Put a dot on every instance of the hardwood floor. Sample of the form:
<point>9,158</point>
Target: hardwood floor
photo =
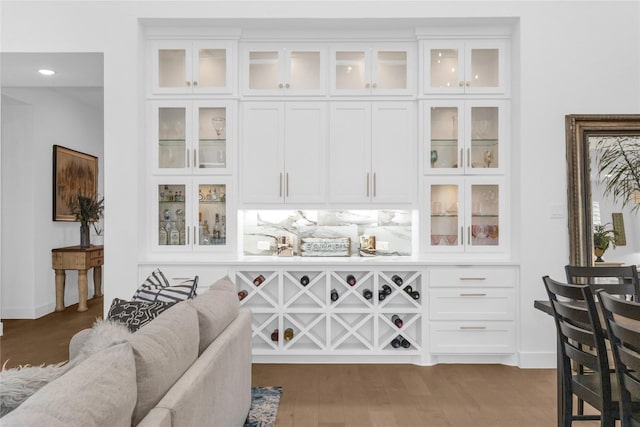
<point>343,395</point>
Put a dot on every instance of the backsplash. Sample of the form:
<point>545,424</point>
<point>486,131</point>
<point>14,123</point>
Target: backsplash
<point>391,228</point>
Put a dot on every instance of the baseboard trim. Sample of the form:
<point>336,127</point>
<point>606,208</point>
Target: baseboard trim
<point>545,360</point>
<point>28,313</point>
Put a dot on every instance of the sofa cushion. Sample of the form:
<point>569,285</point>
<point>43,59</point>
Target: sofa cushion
<point>164,349</point>
<point>101,391</point>
<point>151,291</point>
<point>216,310</point>
<point>136,314</point>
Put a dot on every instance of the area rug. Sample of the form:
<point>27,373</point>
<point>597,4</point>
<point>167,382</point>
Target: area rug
<point>264,406</point>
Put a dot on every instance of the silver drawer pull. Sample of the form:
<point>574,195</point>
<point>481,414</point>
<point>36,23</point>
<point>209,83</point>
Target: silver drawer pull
<point>473,295</point>
<point>478,328</point>
<point>473,278</point>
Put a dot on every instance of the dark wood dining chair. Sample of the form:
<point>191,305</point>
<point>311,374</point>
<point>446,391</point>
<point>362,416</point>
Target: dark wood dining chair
<point>623,328</point>
<point>579,333</point>
<point>624,279</point>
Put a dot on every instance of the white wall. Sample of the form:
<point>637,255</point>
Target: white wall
<point>570,57</point>
<point>33,120</point>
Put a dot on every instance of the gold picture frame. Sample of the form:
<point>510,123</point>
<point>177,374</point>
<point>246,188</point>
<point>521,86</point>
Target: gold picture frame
<point>74,173</point>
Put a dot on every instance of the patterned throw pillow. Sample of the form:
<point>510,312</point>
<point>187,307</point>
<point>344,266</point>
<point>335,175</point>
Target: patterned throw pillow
<point>156,288</point>
<point>136,314</point>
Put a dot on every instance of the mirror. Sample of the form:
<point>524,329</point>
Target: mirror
<point>581,132</point>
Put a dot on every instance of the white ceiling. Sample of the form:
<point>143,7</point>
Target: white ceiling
<point>72,69</point>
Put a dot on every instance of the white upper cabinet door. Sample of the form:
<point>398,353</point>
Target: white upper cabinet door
<point>350,152</point>
<point>283,71</point>
<point>393,148</point>
<point>262,152</point>
<point>465,67</point>
<point>372,71</point>
<point>190,67</point>
<point>305,152</point>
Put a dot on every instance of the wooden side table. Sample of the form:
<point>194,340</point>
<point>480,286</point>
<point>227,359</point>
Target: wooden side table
<point>81,259</point>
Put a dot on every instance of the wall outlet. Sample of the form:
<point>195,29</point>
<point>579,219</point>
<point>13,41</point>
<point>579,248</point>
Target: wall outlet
<point>557,211</point>
<point>263,245</point>
<point>383,246</point>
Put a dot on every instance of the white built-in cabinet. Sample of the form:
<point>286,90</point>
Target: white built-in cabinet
<point>372,152</point>
<point>277,70</point>
<point>463,67</point>
<point>283,152</point>
<point>380,69</point>
<point>191,67</point>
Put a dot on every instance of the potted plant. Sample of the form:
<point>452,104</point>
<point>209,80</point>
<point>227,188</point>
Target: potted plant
<point>618,161</point>
<point>603,235</point>
<point>86,210</point>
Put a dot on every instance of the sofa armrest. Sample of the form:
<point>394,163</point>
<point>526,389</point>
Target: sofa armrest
<point>77,341</point>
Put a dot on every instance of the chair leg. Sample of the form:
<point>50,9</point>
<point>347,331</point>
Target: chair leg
<point>568,406</point>
<point>606,419</point>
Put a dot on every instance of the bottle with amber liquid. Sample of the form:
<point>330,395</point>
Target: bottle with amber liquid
<point>288,334</point>
<point>258,280</point>
<point>275,335</point>
<point>242,295</point>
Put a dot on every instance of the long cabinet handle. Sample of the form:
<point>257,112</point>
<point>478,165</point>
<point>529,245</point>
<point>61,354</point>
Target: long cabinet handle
<point>280,184</point>
<point>187,234</point>
<point>374,184</point>
<point>473,295</point>
<point>477,328</point>
<point>461,158</point>
<point>367,184</point>
<point>287,183</point>
<point>468,157</point>
<point>194,236</point>
<point>461,241</point>
<point>195,163</point>
<point>469,236</point>
<point>188,159</point>
<point>473,278</point>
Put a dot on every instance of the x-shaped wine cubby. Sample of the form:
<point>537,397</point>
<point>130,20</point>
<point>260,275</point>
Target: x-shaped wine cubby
<point>309,311</point>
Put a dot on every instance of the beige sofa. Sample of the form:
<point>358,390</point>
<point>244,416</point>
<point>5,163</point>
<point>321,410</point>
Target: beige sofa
<point>190,366</point>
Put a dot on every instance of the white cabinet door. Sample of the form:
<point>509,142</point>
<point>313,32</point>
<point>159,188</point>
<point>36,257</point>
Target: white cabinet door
<point>262,159</point>
<point>305,152</point>
<point>350,152</point>
<point>393,147</point>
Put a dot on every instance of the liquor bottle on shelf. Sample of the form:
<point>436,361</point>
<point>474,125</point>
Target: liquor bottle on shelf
<point>397,280</point>
<point>214,195</point>
<point>182,235</point>
<point>174,235</point>
<point>351,280</point>
<point>275,335</point>
<point>223,229</point>
<point>367,294</point>
<point>334,295</point>
<point>242,294</point>
<point>288,334</point>
<point>163,238</point>
<point>304,280</point>
<point>381,295</point>
<point>216,229</point>
<point>397,321</point>
<point>386,289</point>
<point>258,280</point>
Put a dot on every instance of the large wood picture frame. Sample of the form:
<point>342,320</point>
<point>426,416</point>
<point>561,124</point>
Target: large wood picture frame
<point>74,173</point>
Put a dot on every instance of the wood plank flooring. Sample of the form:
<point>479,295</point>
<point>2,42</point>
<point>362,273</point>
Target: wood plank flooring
<point>346,395</point>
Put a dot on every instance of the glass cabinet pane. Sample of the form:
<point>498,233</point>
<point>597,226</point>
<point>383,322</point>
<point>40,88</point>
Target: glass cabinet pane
<point>444,215</point>
<point>484,137</point>
<point>444,68</point>
<point>392,70</point>
<point>484,215</point>
<point>212,143</point>
<point>350,70</point>
<point>171,208</point>
<point>304,70</point>
<point>212,214</point>
<point>212,67</point>
<point>484,68</point>
<point>263,70</point>
<point>171,137</point>
<point>445,145</point>
<point>172,68</point>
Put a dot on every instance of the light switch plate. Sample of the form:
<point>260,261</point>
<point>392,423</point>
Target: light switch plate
<point>557,211</point>
<point>263,245</point>
<point>383,246</point>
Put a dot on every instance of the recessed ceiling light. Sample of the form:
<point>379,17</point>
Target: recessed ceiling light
<point>46,72</point>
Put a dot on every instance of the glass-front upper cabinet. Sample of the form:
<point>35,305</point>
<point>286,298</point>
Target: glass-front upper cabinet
<point>464,67</point>
<point>192,137</point>
<point>282,71</point>
<point>191,214</point>
<point>372,71</point>
<point>464,137</point>
<point>465,214</point>
<point>186,67</point>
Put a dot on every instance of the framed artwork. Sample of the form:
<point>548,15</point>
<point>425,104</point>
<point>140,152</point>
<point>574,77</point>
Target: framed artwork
<point>74,173</point>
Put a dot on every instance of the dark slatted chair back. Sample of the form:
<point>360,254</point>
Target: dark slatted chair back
<point>623,279</point>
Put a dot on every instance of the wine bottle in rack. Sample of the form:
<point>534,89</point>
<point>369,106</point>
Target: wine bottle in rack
<point>304,280</point>
<point>408,289</point>
<point>367,294</point>
<point>415,295</point>
<point>381,295</point>
<point>258,280</point>
<point>351,280</point>
<point>386,289</point>
<point>404,343</point>
<point>288,334</point>
<point>242,295</point>
<point>334,295</point>
<point>275,335</point>
<point>397,280</point>
<point>395,343</point>
<point>397,321</point>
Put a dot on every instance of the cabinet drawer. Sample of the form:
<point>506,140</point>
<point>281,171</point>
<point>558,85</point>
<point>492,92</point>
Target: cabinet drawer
<point>472,304</point>
<point>473,276</point>
<point>472,337</point>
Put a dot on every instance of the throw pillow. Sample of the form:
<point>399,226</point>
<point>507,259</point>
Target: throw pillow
<point>136,314</point>
<point>155,280</point>
<point>154,293</point>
